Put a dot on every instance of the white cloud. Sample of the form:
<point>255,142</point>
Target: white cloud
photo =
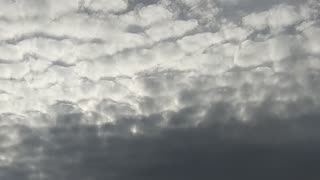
<point>277,18</point>
<point>171,29</point>
<point>152,14</point>
<point>52,57</point>
<point>105,5</point>
<point>313,39</point>
<point>199,41</point>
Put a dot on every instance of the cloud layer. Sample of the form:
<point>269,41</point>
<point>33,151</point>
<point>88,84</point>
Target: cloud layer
<point>159,89</point>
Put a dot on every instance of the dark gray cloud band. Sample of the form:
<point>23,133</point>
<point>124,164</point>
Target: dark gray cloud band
<point>220,147</point>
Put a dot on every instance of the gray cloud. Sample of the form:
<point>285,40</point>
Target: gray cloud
<point>220,147</point>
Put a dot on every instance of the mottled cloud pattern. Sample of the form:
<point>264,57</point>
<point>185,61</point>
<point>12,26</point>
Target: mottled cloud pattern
<point>159,89</point>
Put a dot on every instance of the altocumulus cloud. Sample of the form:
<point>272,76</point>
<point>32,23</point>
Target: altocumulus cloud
<point>159,89</point>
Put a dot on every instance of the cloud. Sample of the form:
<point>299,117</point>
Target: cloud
<point>135,89</point>
<point>220,147</point>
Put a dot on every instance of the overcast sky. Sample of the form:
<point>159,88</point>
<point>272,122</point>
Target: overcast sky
<point>159,89</point>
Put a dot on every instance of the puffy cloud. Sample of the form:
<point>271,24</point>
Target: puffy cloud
<point>276,18</point>
<point>313,45</point>
<point>171,29</point>
<point>159,89</point>
<point>103,5</point>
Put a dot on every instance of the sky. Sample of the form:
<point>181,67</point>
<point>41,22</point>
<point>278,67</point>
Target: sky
<point>159,89</point>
